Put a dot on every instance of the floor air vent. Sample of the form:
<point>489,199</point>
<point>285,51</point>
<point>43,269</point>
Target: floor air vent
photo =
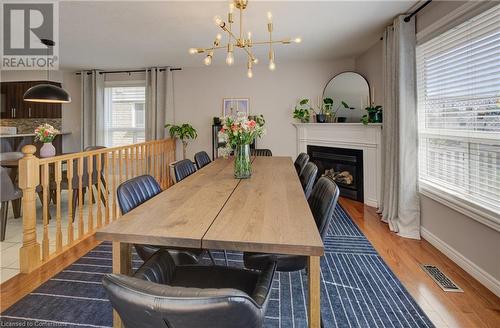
<point>441,279</point>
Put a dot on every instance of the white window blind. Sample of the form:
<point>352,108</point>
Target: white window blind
<point>458,89</point>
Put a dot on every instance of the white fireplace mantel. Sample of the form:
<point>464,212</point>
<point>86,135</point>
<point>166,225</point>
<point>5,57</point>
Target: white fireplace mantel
<point>367,138</point>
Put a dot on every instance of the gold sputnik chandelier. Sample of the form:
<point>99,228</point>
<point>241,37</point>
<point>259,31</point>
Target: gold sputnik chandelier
<point>241,40</point>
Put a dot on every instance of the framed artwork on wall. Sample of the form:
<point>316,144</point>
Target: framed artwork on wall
<point>233,106</point>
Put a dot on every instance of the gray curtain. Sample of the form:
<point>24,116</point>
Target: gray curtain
<point>92,115</point>
<point>400,205</point>
<point>159,101</point>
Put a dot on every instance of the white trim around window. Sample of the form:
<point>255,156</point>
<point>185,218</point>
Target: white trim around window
<point>460,204</point>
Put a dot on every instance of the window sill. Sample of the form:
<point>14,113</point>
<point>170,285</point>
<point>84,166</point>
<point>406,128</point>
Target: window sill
<point>459,204</point>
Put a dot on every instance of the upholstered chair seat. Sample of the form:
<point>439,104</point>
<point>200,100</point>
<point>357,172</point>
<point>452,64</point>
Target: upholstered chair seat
<point>300,162</point>
<point>163,294</point>
<point>133,193</point>
<point>201,159</point>
<point>307,178</point>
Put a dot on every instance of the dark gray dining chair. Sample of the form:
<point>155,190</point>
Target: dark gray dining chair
<point>308,177</point>
<point>8,193</point>
<point>183,169</point>
<point>261,152</point>
<point>137,191</point>
<point>300,162</point>
<point>163,294</point>
<point>201,159</point>
<point>322,202</point>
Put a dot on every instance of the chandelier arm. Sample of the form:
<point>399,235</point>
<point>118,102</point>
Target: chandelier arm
<point>248,52</point>
<point>284,41</point>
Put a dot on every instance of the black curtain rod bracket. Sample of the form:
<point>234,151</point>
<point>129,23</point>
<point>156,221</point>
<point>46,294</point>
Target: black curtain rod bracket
<point>408,18</point>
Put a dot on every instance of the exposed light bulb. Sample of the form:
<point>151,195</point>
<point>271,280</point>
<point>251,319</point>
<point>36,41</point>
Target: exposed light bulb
<point>192,51</point>
<point>249,73</point>
<point>218,37</point>
<point>230,58</point>
<point>272,65</point>
<point>218,21</point>
<point>255,60</point>
<point>249,35</point>
<point>297,40</point>
<point>269,17</point>
<point>231,7</point>
<point>208,60</point>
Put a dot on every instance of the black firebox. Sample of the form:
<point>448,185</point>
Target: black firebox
<point>343,165</point>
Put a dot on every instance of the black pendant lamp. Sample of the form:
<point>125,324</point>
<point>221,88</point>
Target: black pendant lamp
<point>47,93</point>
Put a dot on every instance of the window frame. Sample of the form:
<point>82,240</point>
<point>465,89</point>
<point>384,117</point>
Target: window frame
<point>124,83</point>
<point>447,196</point>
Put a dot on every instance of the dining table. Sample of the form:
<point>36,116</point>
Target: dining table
<point>211,209</point>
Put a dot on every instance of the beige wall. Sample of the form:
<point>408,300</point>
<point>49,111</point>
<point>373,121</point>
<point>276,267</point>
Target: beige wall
<point>199,93</point>
<point>369,64</point>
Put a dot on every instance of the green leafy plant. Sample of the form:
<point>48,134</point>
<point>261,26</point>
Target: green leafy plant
<point>330,111</point>
<point>302,111</point>
<point>374,115</point>
<point>184,132</point>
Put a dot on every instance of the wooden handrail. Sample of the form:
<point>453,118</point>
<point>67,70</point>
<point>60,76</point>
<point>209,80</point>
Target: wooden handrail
<point>90,179</point>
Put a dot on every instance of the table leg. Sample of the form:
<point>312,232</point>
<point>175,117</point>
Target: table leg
<point>122,263</point>
<point>314,292</point>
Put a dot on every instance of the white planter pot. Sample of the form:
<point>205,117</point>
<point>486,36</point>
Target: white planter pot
<point>47,150</point>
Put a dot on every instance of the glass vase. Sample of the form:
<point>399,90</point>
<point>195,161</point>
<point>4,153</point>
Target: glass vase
<point>242,164</point>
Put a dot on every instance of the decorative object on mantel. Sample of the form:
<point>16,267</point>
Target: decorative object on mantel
<point>46,133</point>
<point>184,132</point>
<point>47,93</point>
<point>242,40</point>
<point>374,115</point>
<point>302,111</point>
<point>326,111</point>
<point>238,133</point>
<point>353,89</point>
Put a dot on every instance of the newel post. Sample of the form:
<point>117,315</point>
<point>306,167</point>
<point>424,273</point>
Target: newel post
<point>29,179</point>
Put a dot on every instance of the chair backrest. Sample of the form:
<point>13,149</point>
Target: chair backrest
<point>201,158</point>
<point>90,148</point>
<point>146,300</point>
<point>136,191</point>
<point>301,162</point>
<point>322,201</point>
<point>307,178</point>
<point>183,169</point>
<point>9,190</point>
<point>261,152</point>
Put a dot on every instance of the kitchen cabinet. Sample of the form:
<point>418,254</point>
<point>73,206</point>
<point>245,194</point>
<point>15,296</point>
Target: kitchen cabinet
<point>14,107</point>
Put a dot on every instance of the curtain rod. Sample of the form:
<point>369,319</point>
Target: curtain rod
<point>133,71</point>
<point>407,18</point>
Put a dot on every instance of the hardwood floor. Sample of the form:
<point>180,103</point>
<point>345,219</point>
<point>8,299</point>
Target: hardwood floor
<point>476,307</point>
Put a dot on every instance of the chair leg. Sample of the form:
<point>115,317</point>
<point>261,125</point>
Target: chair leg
<point>225,257</point>
<point>74,201</point>
<point>16,207</point>
<point>211,257</point>
<point>3,214</point>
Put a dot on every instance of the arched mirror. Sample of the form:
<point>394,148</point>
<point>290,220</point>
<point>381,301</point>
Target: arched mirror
<point>351,88</point>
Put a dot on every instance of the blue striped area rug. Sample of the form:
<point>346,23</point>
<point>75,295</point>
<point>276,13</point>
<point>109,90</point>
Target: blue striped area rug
<point>358,290</point>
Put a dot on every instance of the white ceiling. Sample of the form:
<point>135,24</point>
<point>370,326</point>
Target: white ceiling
<point>135,34</point>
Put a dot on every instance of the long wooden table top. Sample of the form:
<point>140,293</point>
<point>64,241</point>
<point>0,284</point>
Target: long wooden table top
<point>267,213</point>
<point>212,209</point>
<point>179,216</point>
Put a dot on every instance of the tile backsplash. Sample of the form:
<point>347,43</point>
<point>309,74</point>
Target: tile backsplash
<point>28,125</point>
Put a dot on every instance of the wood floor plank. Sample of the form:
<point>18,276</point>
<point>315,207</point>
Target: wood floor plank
<point>476,307</point>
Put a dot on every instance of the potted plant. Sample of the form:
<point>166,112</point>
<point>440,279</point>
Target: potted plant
<point>184,132</point>
<point>46,133</point>
<point>302,111</point>
<point>374,115</point>
<point>238,133</point>
<point>324,110</point>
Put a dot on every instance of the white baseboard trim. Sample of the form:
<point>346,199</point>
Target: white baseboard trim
<point>471,268</point>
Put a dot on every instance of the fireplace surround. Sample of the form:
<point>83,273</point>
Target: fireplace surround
<point>365,138</point>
